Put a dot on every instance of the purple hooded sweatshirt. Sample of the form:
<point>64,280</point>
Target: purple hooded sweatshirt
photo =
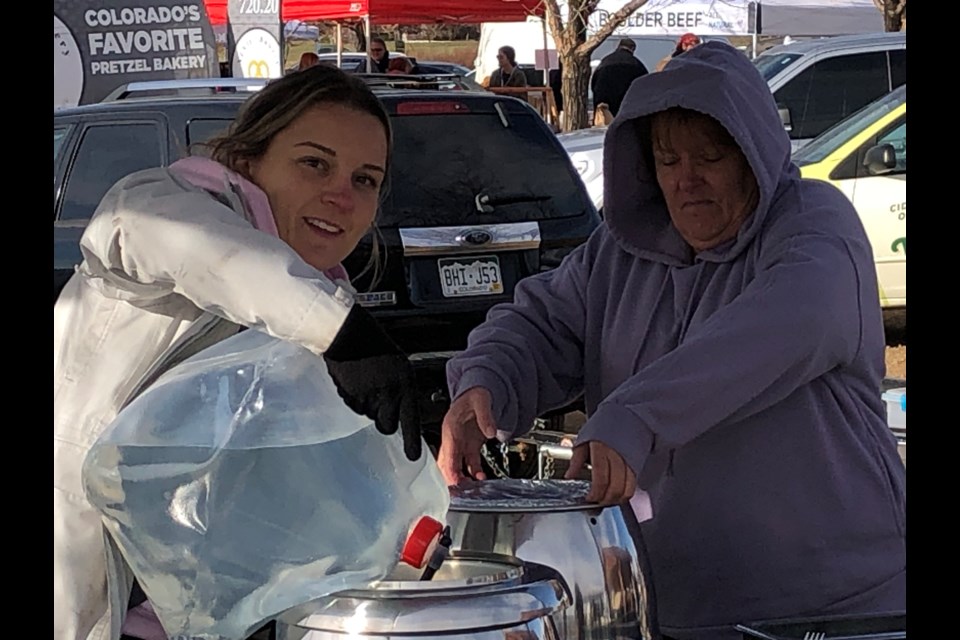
<point>741,384</point>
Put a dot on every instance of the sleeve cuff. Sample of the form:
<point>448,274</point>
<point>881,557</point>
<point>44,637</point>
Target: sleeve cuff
<point>323,319</point>
<point>621,430</point>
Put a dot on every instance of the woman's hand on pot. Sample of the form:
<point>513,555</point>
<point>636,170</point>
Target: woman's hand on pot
<point>466,427</point>
<point>612,480</point>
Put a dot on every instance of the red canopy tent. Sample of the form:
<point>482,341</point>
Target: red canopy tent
<point>396,11</point>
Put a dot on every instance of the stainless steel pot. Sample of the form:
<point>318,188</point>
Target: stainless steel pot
<point>473,596</point>
<point>598,552</point>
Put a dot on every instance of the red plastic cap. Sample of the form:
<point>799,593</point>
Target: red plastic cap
<point>424,535</point>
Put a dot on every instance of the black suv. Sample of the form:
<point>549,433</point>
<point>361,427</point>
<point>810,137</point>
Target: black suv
<point>481,195</point>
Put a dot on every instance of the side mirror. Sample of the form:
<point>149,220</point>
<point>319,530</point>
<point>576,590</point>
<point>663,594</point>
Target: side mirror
<point>880,159</point>
<point>785,118</point>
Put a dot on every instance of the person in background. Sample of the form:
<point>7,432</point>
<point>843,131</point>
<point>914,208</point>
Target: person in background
<point>686,42</point>
<point>379,55</point>
<point>723,326</point>
<point>508,74</point>
<point>556,85</point>
<point>400,65</point>
<point>308,59</point>
<point>615,74</point>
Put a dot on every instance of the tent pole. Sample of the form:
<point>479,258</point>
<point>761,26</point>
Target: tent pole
<point>546,55</point>
<point>339,44</point>
<point>366,24</point>
<point>754,42</point>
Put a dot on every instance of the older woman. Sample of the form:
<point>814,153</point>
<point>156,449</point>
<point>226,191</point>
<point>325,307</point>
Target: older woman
<point>725,330</point>
<point>178,258</point>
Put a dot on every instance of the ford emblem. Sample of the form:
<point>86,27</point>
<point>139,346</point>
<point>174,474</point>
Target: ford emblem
<point>476,237</point>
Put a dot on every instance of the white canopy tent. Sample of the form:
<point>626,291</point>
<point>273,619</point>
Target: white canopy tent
<point>671,18</point>
<point>819,17</point>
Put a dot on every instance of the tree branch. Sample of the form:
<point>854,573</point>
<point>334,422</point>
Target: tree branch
<point>610,26</point>
<point>553,20</point>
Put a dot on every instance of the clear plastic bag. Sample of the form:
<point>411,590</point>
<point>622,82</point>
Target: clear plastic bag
<point>240,485</point>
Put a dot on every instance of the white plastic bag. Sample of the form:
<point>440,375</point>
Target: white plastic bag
<point>239,485</point>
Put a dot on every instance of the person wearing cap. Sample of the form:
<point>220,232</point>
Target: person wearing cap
<point>686,42</point>
<point>615,74</point>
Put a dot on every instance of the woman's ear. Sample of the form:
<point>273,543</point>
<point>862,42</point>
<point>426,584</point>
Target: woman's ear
<point>246,167</point>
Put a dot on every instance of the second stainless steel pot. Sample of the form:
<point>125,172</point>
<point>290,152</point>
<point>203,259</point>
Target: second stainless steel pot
<point>597,551</point>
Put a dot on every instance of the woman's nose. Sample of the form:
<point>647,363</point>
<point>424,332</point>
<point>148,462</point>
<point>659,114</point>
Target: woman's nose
<point>689,176</point>
<point>339,193</point>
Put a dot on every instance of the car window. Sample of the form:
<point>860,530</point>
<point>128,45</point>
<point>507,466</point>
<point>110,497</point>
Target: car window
<point>59,135</point>
<point>898,67</point>
<point>442,163</point>
<point>202,129</point>
<point>107,153</point>
<point>770,65</point>
<point>840,133</point>
<point>832,89</point>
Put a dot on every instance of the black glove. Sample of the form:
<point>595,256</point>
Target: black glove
<point>375,378</point>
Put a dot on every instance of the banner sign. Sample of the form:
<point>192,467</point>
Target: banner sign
<point>98,47</point>
<point>677,17</point>
<point>254,34</point>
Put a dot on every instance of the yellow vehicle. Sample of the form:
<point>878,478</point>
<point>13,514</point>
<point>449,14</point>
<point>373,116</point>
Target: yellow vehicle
<point>865,156</point>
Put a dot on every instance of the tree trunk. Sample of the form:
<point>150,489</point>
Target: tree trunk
<point>574,49</point>
<point>576,82</point>
<point>894,14</point>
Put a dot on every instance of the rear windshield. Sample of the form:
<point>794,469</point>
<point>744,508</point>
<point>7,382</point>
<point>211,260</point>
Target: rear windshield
<point>443,163</point>
<point>772,64</point>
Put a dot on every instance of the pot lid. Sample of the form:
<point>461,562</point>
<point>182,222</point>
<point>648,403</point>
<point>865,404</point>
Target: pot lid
<point>467,594</point>
<point>508,495</point>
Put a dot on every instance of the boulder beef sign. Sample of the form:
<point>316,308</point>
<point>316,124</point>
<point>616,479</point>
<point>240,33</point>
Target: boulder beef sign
<point>99,47</point>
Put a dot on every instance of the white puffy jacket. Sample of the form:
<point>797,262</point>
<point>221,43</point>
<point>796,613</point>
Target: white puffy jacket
<point>168,269</point>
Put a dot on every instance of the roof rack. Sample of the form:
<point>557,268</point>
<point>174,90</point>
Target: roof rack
<point>418,81</point>
<point>186,87</point>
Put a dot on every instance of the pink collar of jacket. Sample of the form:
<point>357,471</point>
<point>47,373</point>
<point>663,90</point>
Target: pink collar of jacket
<point>213,176</point>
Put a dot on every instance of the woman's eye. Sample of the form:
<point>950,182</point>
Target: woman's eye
<point>368,181</point>
<point>315,163</point>
<point>666,161</point>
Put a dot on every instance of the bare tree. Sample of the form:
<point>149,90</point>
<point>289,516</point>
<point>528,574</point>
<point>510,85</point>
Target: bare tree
<point>574,49</point>
<point>894,14</point>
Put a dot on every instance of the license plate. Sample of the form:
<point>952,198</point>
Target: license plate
<point>474,276</point>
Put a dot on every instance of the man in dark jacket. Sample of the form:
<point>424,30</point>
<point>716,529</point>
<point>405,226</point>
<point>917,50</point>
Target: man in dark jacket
<point>556,84</point>
<point>615,74</point>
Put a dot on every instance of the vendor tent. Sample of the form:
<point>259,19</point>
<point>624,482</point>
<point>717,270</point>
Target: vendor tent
<point>819,17</point>
<point>395,11</point>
